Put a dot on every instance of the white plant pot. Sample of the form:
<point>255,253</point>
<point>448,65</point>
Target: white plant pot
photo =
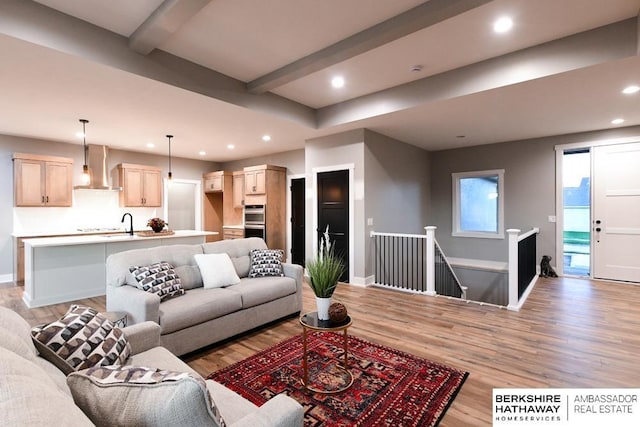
<point>323,308</point>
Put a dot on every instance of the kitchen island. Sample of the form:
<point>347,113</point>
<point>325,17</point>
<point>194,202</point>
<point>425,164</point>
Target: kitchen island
<point>61,269</point>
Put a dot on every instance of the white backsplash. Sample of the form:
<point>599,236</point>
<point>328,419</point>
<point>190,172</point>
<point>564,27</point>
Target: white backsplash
<point>91,209</point>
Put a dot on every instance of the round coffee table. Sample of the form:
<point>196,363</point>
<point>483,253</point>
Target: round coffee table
<point>310,323</point>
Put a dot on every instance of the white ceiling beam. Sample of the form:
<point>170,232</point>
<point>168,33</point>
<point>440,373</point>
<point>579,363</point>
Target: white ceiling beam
<point>604,44</point>
<point>162,23</point>
<point>415,19</point>
<point>35,23</point>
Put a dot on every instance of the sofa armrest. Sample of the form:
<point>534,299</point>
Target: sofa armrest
<point>139,305</point>
<point>281,411</point>
<point>296,272</point>
<point>142,336</point>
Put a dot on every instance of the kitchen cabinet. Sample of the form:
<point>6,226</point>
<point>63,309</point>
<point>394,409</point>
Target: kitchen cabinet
<point>141,185</point>
<point>213,182</point>
<point>42,180</point>
<point>232,233</point>
<point>266,185</point>
<point>238,189</point>
<point>255,180</point>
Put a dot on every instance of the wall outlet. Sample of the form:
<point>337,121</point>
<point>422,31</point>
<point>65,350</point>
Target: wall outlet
<point>552,218</point>
<point>369,221</point>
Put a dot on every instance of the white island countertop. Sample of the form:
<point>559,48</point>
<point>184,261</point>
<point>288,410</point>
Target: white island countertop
<point>68,268</point>
<point>84,239</point>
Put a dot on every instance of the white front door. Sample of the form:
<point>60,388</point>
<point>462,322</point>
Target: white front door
<point>616,212</point>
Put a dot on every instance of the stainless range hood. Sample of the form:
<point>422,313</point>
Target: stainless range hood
<point>98,162</point>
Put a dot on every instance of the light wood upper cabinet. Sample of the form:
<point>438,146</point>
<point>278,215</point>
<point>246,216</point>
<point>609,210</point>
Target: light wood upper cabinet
<point>42,180</point>
<point>213,182</point>
<point>141,185</point>
<point>238,189</point>
<point>255,180</point>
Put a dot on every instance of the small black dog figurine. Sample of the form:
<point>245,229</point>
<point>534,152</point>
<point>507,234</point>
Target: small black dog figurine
<point>545,267</point>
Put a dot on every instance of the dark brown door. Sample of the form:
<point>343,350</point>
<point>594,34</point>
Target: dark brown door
<point>297,221</point>
<point>333,210</point>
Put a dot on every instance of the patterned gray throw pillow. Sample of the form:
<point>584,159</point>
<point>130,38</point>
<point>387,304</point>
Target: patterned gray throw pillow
<point>266,262</point>
<point>159,278</point>
<point>80,339</point>
<point>162,398</point>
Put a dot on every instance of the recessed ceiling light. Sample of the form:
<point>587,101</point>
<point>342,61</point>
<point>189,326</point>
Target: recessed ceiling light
<point>202,153</point>
<point>631,89</point>
<point>617,121</point>
<point>416,68</point>
<point>337,82</point>
<point>150,145</point>
<point>502,25</point>
<point>79,135</point>
<point>230,146</point>
<point>266,138</point>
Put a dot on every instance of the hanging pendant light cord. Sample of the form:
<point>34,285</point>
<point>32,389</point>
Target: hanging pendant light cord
<point>170,174</point>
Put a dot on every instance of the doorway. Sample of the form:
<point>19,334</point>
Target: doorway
<point>183,204</point>
<point>297,189</point>
<point>616,212</point>
<point>576,211</point>
<point>333,212</point>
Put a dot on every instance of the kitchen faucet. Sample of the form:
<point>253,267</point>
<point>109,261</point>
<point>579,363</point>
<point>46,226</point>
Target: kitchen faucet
<point>130,223</point>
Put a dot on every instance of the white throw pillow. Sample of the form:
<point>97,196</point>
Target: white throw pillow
<point>217,270</point>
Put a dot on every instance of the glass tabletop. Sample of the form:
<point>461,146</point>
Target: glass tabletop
<point>310,320</point>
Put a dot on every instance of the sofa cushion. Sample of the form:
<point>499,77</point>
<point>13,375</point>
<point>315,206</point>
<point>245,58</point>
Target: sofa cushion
<point>159,397</point>
<point>16,344</point>
<point>29,398</point>
<point>13,322</point>
<point>238,250</point>
<point>80,339</point>
<point>260,290</point>
<point>216,270</point>
<point>177,255</point>
<point>197,306</point>
<point>266,262</point>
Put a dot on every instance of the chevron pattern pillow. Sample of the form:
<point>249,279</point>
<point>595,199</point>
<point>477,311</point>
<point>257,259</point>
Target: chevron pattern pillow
<point>80,339</point>
<point>159,278</point>
<point>266,262</point>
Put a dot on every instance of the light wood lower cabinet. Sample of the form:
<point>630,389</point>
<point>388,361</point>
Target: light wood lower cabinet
<point>42,180</point>
<point>233,233</point>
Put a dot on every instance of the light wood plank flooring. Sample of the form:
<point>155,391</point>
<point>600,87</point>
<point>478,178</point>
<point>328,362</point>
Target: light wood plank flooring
<point>570,333</point>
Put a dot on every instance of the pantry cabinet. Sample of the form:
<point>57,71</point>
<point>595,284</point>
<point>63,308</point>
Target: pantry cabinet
<point>44,181</point>
<point>238,189</point>
<point>141,185</point>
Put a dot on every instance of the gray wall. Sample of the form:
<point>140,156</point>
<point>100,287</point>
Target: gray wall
<point>396,188</point>
<point>182,168</point>
<point>340,149</point>
<point>529,185</point>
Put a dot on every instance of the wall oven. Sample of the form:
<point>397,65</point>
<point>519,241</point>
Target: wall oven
<point>254,221</point>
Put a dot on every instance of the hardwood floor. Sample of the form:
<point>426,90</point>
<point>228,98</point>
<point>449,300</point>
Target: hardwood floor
<point>570,333</point>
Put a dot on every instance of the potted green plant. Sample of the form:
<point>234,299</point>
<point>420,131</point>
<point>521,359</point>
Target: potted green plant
<point>324,272</point>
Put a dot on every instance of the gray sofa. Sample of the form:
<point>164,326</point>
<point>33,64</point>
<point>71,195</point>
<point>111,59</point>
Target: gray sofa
<point>33,392</point>
<point>203,316</point>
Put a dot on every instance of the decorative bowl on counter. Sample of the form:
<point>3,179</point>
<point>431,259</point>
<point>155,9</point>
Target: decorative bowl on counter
<point>156,224</point>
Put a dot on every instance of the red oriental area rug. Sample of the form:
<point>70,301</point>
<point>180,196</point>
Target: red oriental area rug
<point>390,387</point>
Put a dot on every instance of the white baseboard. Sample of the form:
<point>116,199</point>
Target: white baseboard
<point>6,278</point>
<point>364,282</point>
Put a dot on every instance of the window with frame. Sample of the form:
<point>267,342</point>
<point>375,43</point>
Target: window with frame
<point>478,204</point>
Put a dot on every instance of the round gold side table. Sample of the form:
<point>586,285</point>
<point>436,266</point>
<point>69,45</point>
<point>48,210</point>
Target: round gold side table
<point>310,323</point>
